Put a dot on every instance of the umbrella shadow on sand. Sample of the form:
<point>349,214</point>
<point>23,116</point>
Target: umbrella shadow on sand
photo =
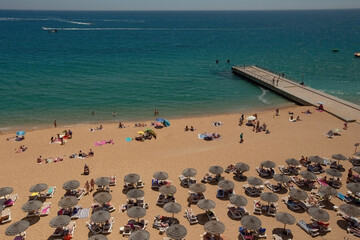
<point>32,220</point>
<point>284,235</point>
<point>343,224</point>
<point>202,218</point>
<point>240,179</point>
<point>282,191</point>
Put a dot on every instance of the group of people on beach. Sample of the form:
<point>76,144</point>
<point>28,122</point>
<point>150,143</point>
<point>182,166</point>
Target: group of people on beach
<point>189,129</point>
<point>67,134</point>
<point>82,154</point>
<point>89,186</point>
<point>41,160</point>
<point>100,127</point>
<point>21,149</point>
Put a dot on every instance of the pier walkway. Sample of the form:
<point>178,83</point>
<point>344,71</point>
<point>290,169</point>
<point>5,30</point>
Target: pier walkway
<point>304,95</point>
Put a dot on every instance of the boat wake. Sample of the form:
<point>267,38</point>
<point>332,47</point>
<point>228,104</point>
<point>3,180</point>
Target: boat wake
<point>261,97</point>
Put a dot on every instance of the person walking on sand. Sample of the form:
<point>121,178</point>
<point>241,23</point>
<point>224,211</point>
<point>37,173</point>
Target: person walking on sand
<point>92,184</point>
<point>277,112</point>
<point>87,187</point>
<point>55,125</point>
<point>241,137</point>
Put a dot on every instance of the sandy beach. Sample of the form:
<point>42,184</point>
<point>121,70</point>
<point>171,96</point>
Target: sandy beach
<point>172,151</point>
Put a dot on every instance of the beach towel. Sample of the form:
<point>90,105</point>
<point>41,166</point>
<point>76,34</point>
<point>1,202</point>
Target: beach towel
<point>322,182</point>
<point>84,213</point>
<point>128,139</point>
<point>103,142</point>
<point>217,123</point>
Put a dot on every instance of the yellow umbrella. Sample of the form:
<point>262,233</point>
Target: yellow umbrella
<point>140,132</point>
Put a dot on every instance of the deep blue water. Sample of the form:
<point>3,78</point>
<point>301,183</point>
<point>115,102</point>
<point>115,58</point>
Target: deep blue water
<point>133,62</point>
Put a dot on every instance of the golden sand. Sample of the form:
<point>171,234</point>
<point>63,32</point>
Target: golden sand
<point>172,151</point>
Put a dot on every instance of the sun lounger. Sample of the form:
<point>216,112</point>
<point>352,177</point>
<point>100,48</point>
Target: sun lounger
<point>257,207</point>
<point>45,209</point>
<point>355,161</point>
<point>274,188</point>
<point>10,200</point>
<point>324,227</point>
<point>211,215</point>
<point>139,184</point>
<point>272,209</point>
<point>76,212</point>
<point>297,181</point>
<point>107,228</point>
<point>353,230</point>
<point>112,180</point>
<point>344,198</point>
<point>220,193</point>
<point>5,216</point>
<point>126,230</point>
<point>70,229</point>
<point>191,217</point>
<point>50,192</point>
<point>294,206</point>
<point>261,233</point>
<point>308,228</point>
<point>94,228</point>
<point>284,170</point>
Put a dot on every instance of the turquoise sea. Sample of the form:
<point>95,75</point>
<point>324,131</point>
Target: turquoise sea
<point>132,62</point>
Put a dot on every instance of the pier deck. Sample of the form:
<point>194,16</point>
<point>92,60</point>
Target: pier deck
<point>301,94</point>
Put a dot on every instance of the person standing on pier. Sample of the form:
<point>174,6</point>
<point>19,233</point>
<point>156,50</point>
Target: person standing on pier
<point>277,82</point>
<point>274,81</point>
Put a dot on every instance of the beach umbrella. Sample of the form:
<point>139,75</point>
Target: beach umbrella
<point>167,189</point>
<point>216,170</point>
<point>350,210</point>
<point>98,237</point>
<point>131,178</point>
<point>327,191</point>
<point>100,216</point>
<point>251,118</point>
<point>135,193</point>
<point>281,178</point>
<point>214,227</point>
<point>254,181</point>
<point>189,172</point>
<point>38,187</point>
<point>163,121</point>
<point>176,231</point>
<point>242,167</point>
<point>102,181</point>
<point>31,205</point>
<point>238,200</point>
<point>21,133</point>
<point>160,175</point>
<point>298,194</point>
<point>206,204</point>
<point>17,228</point>
<point>333,172</point>
<point>140,132</point>
<point>140,235</point>
<point>5,191</point>
<point>172,207</point>
<point>339,157</point>
<point>68,201</point>
<point>308,175</point>
<point>251,222</point>
<point>197,187</point>
<point>268,164</point>
<point>59,221</point>
<point>353,187</point>
<point>269,197</point>
<point>71,185</point>
<point>355,169</point>
<point>149,130</point>
<point>102,197</point>
<point>136,212</point>
<point>285,218</point>
<point>319,214</point>
<point>292,162</point>
<point>226,184</point>
<point>316,159</point>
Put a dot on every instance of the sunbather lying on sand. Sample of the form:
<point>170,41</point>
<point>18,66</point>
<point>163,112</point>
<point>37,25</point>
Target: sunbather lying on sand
<point>96,128</point>
<point>21,149</point>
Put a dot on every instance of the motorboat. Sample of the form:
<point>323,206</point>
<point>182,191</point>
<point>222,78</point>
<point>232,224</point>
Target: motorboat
<point>357,54</point>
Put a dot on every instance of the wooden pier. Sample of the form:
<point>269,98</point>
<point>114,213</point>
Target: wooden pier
<point>304,95</point>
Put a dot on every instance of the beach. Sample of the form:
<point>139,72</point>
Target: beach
<point>173,151</point>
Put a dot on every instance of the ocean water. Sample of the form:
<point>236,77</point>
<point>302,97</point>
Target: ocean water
<point>134,62</point>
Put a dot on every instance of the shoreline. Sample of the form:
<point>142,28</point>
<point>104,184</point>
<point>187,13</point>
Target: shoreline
<point>36,127</point>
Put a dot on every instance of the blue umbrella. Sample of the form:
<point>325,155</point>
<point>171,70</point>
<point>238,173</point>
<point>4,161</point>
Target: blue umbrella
<point>20,133</point>
<point>164,121</point>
